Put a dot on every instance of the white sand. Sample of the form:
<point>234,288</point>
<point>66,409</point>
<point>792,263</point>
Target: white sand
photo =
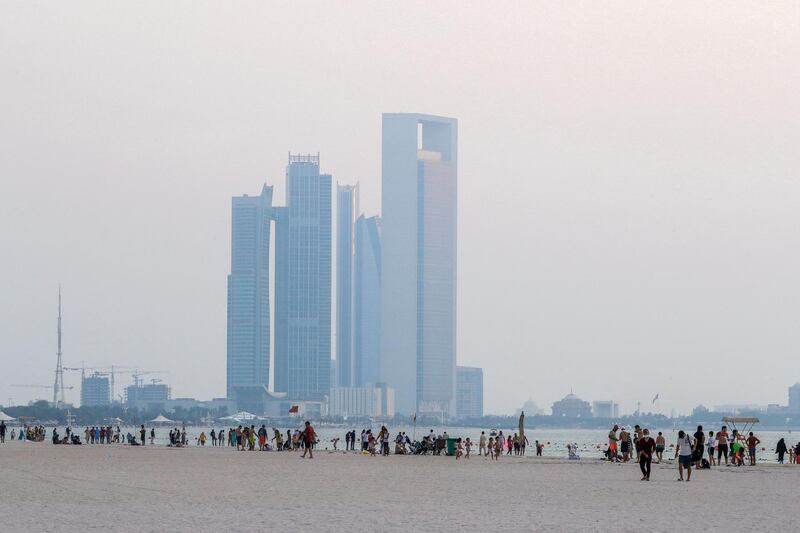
<point>119,488</point>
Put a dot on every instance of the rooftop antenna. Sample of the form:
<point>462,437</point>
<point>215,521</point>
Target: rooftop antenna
<point>58,386</point>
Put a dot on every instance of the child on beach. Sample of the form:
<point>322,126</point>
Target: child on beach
<point>459,448</point>
<point>467,446</point>
<point>371,444</point>
<point>491,448</point>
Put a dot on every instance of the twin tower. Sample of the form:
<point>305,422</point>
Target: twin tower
<point>395,279</point>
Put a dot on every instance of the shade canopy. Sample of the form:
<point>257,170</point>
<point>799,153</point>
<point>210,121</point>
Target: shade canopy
<point>241,415</point>
<point>5,418</point>
<point>161,419</point>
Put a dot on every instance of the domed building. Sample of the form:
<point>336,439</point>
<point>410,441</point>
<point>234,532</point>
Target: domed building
<point>530,408</point>
<point>572,407</point>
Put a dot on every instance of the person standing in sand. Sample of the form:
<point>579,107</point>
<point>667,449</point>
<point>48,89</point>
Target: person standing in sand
<point>752,443</point>
<point>482,444</point>
<point>491,449</point>
<point>309,436</point>
<point>498,447</point>
<point>467,446</point>
<point>722,445</point>
<point>660,445</point>
<point>711,444</point>
<point>612,443</point>
<point>624,445</point>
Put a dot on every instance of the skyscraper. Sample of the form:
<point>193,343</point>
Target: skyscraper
<point>418,279</point>
<point>346,213</point>
<point>469,392</point>
<point>248,292</point>
<point>367,302</point>
<point>303,282</point>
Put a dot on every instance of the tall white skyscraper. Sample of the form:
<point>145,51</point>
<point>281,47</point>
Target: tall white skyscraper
<point>418,279</point>
<point>346,214</point>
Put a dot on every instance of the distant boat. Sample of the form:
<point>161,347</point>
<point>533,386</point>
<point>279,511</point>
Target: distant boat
<point>493,433</point>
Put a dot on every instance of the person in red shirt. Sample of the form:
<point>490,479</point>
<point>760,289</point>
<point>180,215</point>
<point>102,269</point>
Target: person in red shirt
<point>309,437</point>
<point>752,442</point>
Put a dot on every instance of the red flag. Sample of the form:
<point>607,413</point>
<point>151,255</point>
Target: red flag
<point>294,409</point>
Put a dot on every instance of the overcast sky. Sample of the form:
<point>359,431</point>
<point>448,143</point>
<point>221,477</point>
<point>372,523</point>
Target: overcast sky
<point>629,181</point>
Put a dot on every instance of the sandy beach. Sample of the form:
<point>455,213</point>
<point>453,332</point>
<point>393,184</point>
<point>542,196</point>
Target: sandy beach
<point>61,488</point>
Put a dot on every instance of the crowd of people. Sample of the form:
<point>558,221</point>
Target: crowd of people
<point>697,450</point>
<point>26,432</point>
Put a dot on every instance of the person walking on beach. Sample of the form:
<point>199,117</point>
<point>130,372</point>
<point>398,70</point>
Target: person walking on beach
<point>538,449</point>
<point>482,444</point>
<point>722,445</point>
<point>142,433</point>
<point>684,453</point>
<point>711,443</point>
<point>646,446</point>
<point>491,449</point>
<point>2,431</point>
<point>752,443</point>
<point>498,446</point>
<point>309,436</point>
<point>467,447</point>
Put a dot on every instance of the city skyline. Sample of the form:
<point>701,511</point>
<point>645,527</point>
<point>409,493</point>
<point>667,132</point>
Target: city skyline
<point>627,183</point>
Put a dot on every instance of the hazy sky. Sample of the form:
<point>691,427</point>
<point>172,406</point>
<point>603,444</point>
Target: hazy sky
<point>629,181</point>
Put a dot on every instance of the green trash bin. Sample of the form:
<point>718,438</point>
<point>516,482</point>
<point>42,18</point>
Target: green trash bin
<point>451,446</point>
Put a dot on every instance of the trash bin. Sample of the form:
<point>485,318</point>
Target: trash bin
<point>451,446</point>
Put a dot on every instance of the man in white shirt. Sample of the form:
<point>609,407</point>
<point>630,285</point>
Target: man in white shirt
<point>683,451</point>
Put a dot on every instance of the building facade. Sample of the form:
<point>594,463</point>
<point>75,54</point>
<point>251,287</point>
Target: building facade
<point>367,302</point>
<point>469,392</point>
<point>794,398</point>
<point>95,390</point>
<point>361,401</point>
<point>303,282</point>
<point>572,407</point>
<point>418,278</point>
<point>346,214</point>
<point>147,394</point>
<point>605,409</point>
<point>248,343</point>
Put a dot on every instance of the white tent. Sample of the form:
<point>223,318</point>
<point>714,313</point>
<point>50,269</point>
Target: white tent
<point>161,419</point>
<point>5,418</point>
<point>241,415</point>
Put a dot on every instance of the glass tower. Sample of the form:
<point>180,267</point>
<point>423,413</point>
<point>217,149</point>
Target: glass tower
<point>419,204</point>
<point>367,303</point>
<point>346,213</point>
<point>248,292</point>
<point>303,282</point>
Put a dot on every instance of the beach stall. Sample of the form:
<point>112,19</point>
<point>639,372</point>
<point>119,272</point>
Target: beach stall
<point>747,423</point>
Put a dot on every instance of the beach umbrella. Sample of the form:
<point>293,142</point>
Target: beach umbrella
<point>5,418</point>
<point>522,427</point>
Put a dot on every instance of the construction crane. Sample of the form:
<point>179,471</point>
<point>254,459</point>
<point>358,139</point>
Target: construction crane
<point>39,386</point>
